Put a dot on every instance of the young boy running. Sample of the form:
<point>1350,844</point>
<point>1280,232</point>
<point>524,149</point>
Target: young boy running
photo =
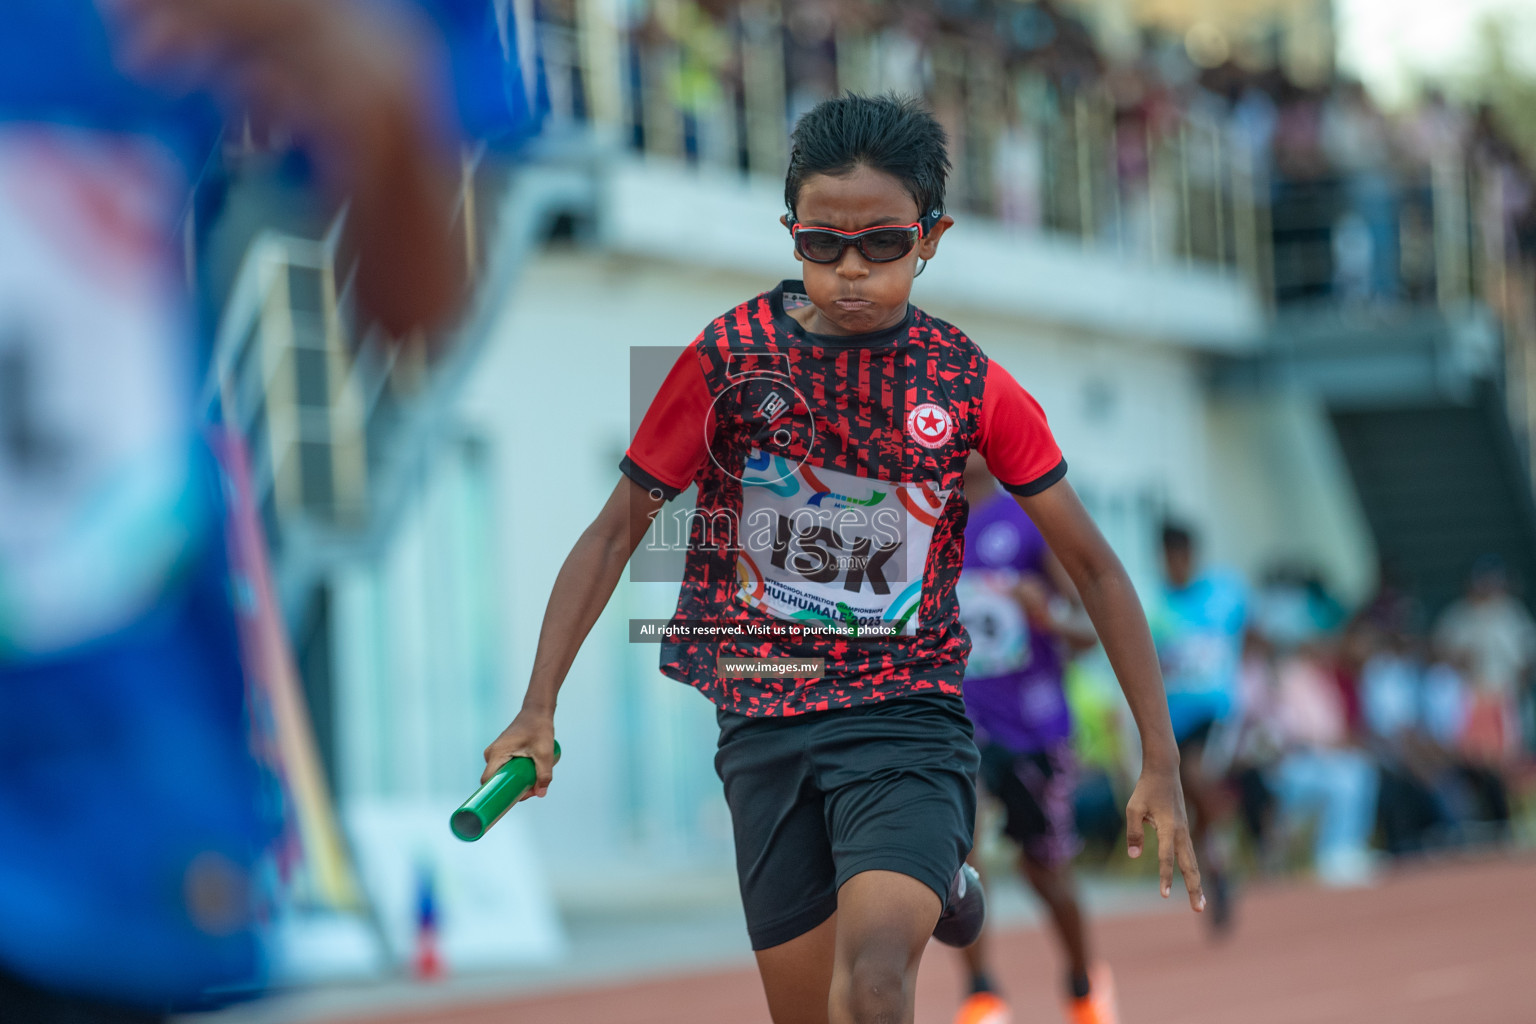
<point>1015,603</point>
<point>827,425</point>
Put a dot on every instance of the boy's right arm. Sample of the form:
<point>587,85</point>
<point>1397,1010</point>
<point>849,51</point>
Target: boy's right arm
<point>359,91</point>
<point>582,589</point>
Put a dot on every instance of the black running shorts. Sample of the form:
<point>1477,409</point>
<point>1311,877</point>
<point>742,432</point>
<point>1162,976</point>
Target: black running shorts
<point>817,798</point>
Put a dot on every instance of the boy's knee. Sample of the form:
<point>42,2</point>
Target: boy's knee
<point>876,986</point>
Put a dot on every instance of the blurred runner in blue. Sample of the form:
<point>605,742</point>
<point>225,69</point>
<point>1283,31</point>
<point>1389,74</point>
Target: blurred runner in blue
<point>130,805</point>
<point>1197,621</point>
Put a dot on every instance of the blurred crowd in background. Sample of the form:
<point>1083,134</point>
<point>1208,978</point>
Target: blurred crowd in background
<point>1176,148</point>
<point>1357,734</point>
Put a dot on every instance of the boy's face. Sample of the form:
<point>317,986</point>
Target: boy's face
<point>853,295</point>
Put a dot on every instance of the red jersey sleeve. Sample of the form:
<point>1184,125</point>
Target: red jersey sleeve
<point>672,443</point>
<point>1014,437</point>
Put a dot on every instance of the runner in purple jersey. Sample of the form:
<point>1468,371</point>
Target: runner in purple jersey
<point>1013,678</point>
<point>1021,612</point>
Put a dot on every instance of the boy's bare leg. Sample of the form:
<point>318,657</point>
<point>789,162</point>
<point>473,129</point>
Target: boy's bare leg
<point>797,975</point>
<point>884,921</point>
<point>1054,887</point>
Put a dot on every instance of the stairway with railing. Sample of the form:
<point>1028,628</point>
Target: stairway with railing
<point>1397,308</point>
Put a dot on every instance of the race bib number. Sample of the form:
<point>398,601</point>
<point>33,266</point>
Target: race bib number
<point>94,389</point>
<point>998,627</point>
<point>1198,661</point>
<point>825,545</point>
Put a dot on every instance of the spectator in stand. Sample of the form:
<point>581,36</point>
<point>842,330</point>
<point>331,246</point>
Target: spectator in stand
<point>1295,765</point>
<point>1295,606</point>
<point>1506,193</point>
<point>1435,133</point>
<point>1433,793</point>
<point>1253,123</point>
<point>1298,153</point>
<point>1496,636</point>
<point>810,55</point>
<point>1393,692</point>
<point>1358,143</point>
<point>1446,701</point>
<point>1257,747</point>
<point>1319,773</point>
<point>899,52</point>
<point>1135,128</point>
<point>1476,796</point>
<point>1392,608</point>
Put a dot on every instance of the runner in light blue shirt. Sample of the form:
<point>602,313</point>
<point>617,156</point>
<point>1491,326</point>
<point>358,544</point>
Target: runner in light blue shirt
<point>1197,620</point>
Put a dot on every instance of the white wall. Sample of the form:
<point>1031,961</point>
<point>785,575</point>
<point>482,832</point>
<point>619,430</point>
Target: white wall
<point>1284,493</point>
<point>661,210</point>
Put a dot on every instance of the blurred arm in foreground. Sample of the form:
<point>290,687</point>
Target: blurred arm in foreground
<point>120,656</point>
<point>358,87</point>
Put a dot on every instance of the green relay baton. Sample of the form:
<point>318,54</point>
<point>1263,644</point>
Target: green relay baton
<point>495,798</point>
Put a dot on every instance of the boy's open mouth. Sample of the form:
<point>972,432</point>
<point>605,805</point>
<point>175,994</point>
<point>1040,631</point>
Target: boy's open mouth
<point>853,304</point>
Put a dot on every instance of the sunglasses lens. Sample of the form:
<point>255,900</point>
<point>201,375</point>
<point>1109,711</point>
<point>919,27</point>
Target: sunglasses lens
<point>819,247</point>
<point>884,246</point>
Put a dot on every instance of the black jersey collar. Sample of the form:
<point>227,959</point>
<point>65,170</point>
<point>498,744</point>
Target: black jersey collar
<point>794,292</point>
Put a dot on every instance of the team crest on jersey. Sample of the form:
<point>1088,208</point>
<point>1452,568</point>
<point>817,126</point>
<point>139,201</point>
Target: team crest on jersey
<point>930,425</point>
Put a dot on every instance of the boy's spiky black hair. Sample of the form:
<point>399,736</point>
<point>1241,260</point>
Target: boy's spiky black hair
<point>889,133</point>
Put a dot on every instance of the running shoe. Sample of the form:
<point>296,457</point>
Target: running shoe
<point>984,1008</point>
<point>1099,1005</point>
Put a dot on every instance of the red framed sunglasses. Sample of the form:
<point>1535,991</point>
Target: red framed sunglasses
<point>884,243</point>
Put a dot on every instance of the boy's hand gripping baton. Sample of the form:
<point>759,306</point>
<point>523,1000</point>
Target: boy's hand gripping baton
<point>495,798</point>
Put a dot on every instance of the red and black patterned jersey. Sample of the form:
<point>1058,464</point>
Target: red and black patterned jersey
<point>829,472</point>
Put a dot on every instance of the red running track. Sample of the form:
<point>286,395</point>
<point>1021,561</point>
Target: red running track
<point>1442,944</point>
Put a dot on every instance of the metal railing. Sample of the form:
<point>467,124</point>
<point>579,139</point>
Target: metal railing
<point>1516,304</point>
<point>1406,239</point>
<point>722,91</point>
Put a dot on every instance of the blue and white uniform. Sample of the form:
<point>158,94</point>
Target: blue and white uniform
<point>131,808</point>
<point>1198,629</point>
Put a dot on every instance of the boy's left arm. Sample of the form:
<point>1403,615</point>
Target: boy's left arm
<point>1111,602</point>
